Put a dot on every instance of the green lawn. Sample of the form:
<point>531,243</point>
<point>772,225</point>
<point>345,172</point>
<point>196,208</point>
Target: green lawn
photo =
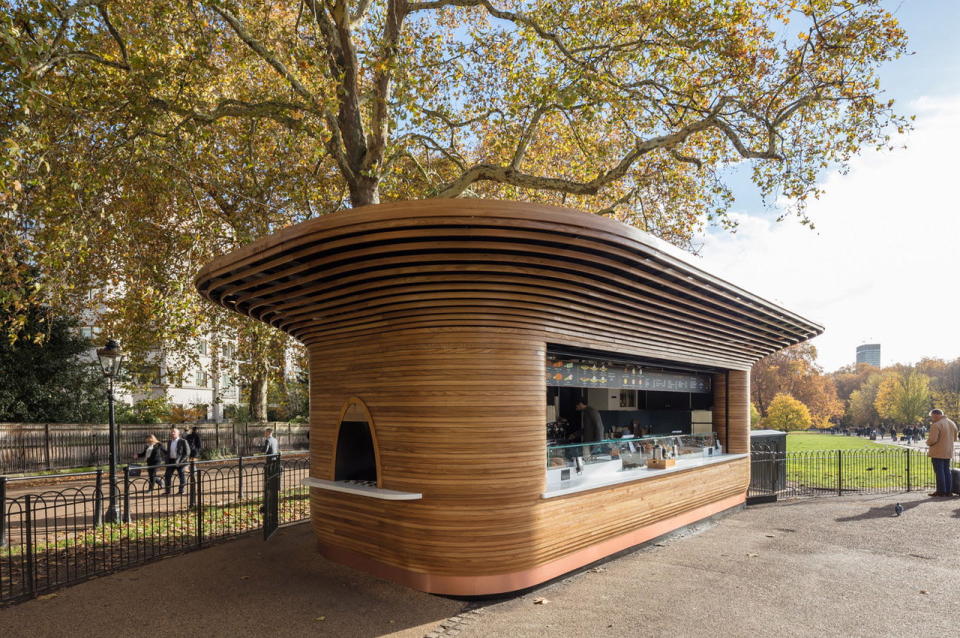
<point>806,441</point>
<point>849,463</point>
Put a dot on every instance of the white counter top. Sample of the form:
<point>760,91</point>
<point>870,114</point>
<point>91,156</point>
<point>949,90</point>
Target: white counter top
<point>575,485</point>
<point>361,489</point>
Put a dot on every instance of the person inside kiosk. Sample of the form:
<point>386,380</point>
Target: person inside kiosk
<point>592,427</point>
<point>610,422</point>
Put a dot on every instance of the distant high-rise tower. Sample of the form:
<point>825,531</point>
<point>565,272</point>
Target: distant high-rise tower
<point>869,353</point>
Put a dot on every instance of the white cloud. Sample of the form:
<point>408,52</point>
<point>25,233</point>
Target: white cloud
<point>883,264</point>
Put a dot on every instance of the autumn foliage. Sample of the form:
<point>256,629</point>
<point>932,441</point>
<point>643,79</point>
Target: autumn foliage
<point>860,395</point>
<point>142,138</point>
<point>787,414</point>
<point>794,372</point>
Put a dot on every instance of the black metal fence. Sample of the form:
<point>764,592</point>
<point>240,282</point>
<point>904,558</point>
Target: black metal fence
<point>34,447</point>
<point>55,537</point>
<point>777,475</point>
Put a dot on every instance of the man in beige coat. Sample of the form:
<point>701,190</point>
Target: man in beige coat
<point>943,432</point>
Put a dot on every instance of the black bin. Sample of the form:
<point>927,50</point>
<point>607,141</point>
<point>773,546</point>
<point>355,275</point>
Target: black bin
<point>768,465</point>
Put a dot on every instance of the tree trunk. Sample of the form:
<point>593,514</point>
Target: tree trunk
<point>216,406</point>
<point>364,191</point>
<point>258,397</point>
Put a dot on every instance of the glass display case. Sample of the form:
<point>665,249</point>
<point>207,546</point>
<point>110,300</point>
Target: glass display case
<point>584,465</point>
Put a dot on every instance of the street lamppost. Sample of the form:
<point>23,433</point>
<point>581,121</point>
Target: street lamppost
<point>111,357</point>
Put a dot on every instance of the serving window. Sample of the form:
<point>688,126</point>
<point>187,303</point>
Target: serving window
<point>629,397</point>
<point>356,459</point>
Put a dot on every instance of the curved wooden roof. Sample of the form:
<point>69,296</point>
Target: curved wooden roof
<point>579,278</point>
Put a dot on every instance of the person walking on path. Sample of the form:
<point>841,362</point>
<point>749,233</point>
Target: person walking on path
<point>943,432</point>
<point>270,444</point>
<point>152,455</point>
<point>193,438</point>
<point>178,454</point>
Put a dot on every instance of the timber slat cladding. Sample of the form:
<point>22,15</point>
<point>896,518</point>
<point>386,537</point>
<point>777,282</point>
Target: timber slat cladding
<point>387,267</point>
<point>719,413</point>
<point>433,319</point>
<point>739,410</point>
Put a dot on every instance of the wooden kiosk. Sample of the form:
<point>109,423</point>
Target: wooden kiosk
<point>445,340</point>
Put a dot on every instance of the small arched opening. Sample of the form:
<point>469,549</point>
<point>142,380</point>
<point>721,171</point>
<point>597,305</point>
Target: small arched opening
<point>356,458</point>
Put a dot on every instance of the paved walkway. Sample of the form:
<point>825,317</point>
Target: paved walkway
<point>838,566</point>
<point>237,589</point>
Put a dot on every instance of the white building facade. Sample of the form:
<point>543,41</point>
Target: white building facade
<point>211,381</point>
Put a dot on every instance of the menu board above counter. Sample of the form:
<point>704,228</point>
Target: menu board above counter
<point>581,373</point>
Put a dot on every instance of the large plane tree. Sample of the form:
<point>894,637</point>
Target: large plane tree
<point>176,129</point>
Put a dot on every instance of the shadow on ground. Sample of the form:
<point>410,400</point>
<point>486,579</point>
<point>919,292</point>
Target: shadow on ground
<point>887,510</point>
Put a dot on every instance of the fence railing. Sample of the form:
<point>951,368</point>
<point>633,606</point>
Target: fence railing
<point>55,537</point>
<point>35,447</point>
<point>777,474</point>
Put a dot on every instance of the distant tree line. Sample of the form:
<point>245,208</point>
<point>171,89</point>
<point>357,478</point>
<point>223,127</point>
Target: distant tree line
<point>789,391</point>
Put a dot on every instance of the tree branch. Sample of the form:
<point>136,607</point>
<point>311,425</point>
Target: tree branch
<point>52,61</point>
<point>379,131</point>
<point>746,153</point>
<point>268,57</point>
<point>612,208</point>
<point>102,10</point>
<point>271,109</point>
<point>685,158</point>
<point>335,143</point>
<point>451,124</point>
<point>359,13</point>
<point>509,16</point>
<point>526,137</point>
<point>507,175</point>
<point>431,144</point>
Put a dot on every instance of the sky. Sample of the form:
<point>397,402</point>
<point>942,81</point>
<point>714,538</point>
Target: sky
<point>883,263</point>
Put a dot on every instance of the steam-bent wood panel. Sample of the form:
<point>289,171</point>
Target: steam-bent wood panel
<point>436,316</point>
<point>286,279</point>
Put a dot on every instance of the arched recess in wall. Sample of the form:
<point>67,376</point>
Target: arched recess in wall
<point>357,455</point>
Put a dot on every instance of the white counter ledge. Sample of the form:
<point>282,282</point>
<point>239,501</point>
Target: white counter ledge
<point>360,489</point>
<point>628,476</point>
